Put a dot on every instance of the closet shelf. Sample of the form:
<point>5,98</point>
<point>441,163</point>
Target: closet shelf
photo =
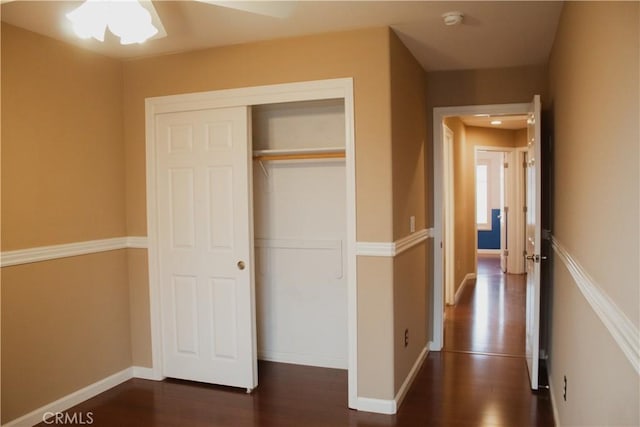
<point>300,154</point>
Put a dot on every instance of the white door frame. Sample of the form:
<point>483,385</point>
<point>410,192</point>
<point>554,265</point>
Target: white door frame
<point>258,95</point>
<point>439,114</point>
<point>449,216</point>
<point>515,201</point>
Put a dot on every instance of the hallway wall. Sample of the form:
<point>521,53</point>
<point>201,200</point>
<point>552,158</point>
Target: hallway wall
<point>594,75</point>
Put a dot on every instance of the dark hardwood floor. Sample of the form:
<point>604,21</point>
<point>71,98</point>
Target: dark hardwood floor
<point>479,379</point>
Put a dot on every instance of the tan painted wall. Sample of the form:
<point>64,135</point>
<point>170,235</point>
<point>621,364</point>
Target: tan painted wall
<point>463,218</point>
<point>521,138</point>
<point>65,323</point>
<point>408,132</point>
<point>375,328</point>
<point>63,170</point>
<point>594,87</point>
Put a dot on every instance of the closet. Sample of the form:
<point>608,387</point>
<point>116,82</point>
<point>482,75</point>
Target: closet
<point>299,217</point>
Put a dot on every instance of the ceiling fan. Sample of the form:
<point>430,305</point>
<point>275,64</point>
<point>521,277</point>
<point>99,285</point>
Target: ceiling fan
<point>136,21</point>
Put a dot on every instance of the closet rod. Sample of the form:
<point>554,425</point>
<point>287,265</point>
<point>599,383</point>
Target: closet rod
<point>299,156</point>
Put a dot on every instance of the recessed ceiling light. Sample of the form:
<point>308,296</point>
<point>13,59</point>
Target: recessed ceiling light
<point>496,122</point>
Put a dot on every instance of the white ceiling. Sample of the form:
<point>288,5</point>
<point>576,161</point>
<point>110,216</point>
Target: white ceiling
<point>493,34</point>
<point>508,121</point>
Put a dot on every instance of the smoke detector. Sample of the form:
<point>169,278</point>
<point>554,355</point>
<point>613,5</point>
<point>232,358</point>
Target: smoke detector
<point>452,18</point>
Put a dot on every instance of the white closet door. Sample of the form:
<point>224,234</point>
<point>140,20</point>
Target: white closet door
<point>205,246</point>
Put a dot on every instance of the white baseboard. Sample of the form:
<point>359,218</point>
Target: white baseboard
<point>73,399</point>
<point>378,406</point>
<point>303,359</point>
<point>406,385</point>
<point>145,373</point>
<point>489,251</point>
<point>469,276</point>
<point>554,404</point>
<point>384,406</point>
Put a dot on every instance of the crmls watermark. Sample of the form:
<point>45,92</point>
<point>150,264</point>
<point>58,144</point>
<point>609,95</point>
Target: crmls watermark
<point>75,418</point>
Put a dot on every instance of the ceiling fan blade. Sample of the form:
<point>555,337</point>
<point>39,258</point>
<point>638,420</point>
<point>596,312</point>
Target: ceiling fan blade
<point>274,9</point>
<point>155,19</point>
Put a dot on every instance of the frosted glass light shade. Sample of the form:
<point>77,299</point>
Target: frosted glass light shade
<point>126,19</point>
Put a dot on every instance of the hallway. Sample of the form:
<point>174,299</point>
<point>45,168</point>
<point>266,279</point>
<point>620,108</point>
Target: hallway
<point>479,379</point>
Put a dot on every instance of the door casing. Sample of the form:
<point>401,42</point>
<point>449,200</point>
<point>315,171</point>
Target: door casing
<point>258,95</point>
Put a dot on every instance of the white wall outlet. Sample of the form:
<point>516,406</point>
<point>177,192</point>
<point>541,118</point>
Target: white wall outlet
<point>412,224</point>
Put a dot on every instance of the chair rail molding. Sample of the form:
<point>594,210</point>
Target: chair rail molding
<point>65,250</point>
<point>623,331</point>
<point>391,249</point>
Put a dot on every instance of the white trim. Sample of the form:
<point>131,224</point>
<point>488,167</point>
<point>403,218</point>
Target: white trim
<point>65,250</point>
<point>489,251</point>
<point>411,240</point>
<point>623,331</point>
<point>137,242</point>
<point>554,405</point>
<point>303,359</point>
<point>379,406</point>
<point>391,249</point>
<point>70,400</point>
<point>145,373</point>
<point>469,276</point>
<point>383,249</point>
<point>439,114</point>
<point>257,95</point>
<point>406,385</point>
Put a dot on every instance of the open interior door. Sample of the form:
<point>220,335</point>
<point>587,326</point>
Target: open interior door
<point>533,241</point>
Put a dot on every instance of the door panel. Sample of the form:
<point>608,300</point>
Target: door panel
<point>532,244</point>
<point>204,229</point>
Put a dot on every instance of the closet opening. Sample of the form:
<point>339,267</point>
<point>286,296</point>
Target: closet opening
<point>300,232</point>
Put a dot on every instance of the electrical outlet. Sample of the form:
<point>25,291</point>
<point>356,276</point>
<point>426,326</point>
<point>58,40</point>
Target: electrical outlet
<point>406,337</point>
<point>564,389</point>
<point>412,224</point>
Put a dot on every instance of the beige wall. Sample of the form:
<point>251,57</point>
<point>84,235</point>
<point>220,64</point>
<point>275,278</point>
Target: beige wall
<point>65,323</point>
<point>464,201</point>
<point>594,87</point>
<point>62,131</point>
<point>408,133</point>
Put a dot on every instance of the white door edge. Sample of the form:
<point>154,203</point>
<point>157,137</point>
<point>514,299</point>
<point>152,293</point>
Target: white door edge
<point>249,96</point>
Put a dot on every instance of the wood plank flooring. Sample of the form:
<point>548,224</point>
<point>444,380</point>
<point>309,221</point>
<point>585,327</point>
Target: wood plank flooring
<point>459,386</point>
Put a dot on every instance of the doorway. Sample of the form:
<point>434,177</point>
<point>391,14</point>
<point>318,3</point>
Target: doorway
<point>465,258</point>
<point>244,98</point>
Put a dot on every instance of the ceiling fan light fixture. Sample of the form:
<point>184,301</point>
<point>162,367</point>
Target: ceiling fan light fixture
<point>89,20</point>
<point>127,19</point>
